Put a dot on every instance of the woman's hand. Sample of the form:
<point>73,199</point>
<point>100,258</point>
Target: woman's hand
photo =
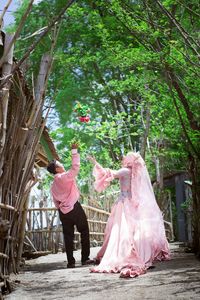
<point>92,159</point>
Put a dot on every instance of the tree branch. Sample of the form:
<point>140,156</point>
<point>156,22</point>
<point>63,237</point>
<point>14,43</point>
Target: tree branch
<point>33,46</point>
<point>182,31</point>
<point>193,123</point>
<point>21,24</point>
<point>182,123</point>
<point>4,11</point>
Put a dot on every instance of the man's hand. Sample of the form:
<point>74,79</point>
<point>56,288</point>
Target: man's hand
<point>74,146</point>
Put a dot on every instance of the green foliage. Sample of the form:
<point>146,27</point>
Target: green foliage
<point>186,206</point>
<point>115,56</point>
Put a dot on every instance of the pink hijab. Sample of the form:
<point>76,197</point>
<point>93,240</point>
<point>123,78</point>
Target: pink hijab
<point>141,188</point>
<point>142,194</point>
<point>135,162</point>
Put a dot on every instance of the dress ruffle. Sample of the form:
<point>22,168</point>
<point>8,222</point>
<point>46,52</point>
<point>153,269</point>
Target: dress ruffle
<point>103,177</point>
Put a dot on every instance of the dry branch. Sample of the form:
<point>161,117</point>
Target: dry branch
<point>21,24</point>
<point>33,46</point>
<point>4,11</point>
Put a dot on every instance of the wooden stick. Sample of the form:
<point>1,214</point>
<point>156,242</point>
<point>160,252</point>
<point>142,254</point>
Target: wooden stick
<point>4,11</point>
<point>9,237</point>
<point>95,209</point>
<point>31,242</point>
<point>6,206</point>
<point>21,24</point>
<point>96,221</point>
<point>47,231</point>
<point>22,233</point>
<point>4,97</point>
<point>4,255</point>
<point>84,206</point>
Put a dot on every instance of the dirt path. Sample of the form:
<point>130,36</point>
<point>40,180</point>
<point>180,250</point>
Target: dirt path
<point>48,278</point>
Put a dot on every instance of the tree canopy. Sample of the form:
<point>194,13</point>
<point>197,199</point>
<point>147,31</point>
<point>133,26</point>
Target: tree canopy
<point>133,63</point>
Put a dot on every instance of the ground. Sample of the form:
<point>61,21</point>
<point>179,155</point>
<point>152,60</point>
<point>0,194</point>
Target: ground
<point>48,278</point>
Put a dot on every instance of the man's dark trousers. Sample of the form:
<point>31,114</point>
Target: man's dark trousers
<point>76,217</point>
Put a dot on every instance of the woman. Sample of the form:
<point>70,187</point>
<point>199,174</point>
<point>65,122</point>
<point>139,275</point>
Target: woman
<point>135,234</point>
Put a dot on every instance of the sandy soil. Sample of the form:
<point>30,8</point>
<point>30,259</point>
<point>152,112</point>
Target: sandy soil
<point>48,278</point>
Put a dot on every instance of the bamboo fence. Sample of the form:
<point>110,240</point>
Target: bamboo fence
<point>44,231</point>
<point>43,236</point>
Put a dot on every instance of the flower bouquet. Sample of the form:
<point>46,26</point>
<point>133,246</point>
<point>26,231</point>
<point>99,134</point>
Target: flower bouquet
<point>83,112</point>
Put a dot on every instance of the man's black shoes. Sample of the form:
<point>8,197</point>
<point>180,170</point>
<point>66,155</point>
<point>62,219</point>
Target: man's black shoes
<point>88,262</point>
<point>70,266</point>
<point>84,263</point>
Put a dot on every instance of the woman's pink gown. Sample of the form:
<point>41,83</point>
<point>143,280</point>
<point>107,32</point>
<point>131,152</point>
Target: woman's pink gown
<point>134,235</point>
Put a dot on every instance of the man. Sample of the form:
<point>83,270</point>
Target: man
<point>65,196</point>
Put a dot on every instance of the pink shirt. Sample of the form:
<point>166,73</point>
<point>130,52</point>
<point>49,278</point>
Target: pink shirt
<point>64,189</point>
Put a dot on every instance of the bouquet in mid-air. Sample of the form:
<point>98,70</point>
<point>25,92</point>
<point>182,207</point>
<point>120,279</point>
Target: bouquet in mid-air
<point>83,112</point>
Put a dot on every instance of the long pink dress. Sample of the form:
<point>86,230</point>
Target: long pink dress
<point>134,235</point>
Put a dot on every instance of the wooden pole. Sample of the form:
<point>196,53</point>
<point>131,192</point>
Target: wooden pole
<point>4,97</point>
<point>22,232</point>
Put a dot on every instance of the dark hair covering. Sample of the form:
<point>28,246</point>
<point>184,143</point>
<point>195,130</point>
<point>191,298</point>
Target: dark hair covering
<point>52,167</point>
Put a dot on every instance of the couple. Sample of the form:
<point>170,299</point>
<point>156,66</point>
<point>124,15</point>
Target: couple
<point>134,235</point>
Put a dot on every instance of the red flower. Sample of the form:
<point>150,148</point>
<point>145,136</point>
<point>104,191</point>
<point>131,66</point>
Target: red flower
<point>84,119</point>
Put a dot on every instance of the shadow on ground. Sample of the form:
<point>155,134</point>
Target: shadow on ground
<point>48,278</point>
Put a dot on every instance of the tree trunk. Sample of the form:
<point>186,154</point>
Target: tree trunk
<point>146,126</point>
<point>194,170</point>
